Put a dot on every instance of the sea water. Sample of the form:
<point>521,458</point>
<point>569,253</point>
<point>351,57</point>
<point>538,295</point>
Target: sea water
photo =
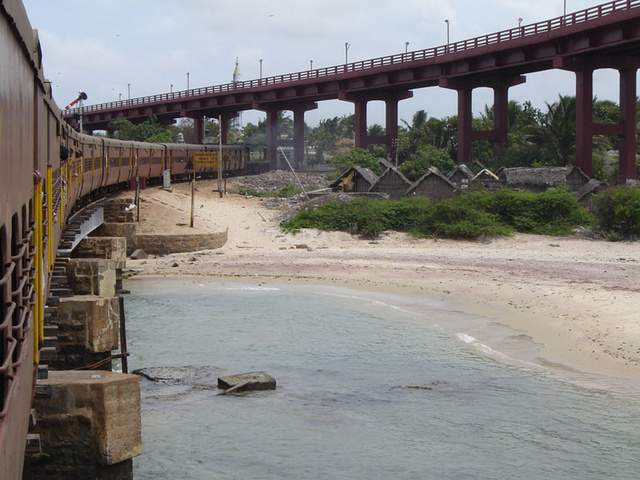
<point>367,388</point>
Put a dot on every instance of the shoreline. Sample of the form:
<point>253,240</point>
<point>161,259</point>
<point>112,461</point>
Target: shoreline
<point>574,298</point>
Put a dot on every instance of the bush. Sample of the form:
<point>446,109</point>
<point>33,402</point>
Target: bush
<point>618,212</point>
<point>472,215</point>
<point>284,192</point>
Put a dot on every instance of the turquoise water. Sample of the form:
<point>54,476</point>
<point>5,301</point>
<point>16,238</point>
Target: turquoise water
<point>367,389</point>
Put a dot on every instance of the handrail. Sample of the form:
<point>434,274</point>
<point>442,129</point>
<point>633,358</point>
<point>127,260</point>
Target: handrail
<point>546,26</point>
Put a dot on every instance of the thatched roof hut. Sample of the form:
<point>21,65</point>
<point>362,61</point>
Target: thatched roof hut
<point>460,173</point>
<point>392,182</point>
<point>356,179</point>
<point>485,179</point>
<point>434,185</point>
<point>543,178</point>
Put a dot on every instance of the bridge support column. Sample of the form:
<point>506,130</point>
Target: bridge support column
<point>298,131</point>
<point>272,139</point>
<point>465,137</point>
<point>628,139</point>
<point>198,129</point>
<point>584,119</point>
<point>391,100</point>
<point>226,119</point>
<point>500,133</point>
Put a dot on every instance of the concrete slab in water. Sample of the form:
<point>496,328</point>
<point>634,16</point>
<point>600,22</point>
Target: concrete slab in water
<point>246,381</point>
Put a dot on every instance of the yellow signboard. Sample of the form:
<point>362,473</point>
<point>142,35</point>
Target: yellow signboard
<point>205,159</point>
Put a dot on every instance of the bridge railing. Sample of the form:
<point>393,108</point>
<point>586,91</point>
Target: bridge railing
<point>547,26</point>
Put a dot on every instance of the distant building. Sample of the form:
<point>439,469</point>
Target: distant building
<point>392,182</point>
<point>356,180</point>
<point>434,185</point>
<point>543,178</point>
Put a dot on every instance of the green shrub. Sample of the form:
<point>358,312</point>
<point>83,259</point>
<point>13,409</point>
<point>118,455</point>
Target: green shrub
<point>471,215</point>
<point>284,192</point>
<point>618,212</point>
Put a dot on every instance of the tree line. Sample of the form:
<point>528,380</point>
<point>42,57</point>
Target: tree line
<point>537,137</point>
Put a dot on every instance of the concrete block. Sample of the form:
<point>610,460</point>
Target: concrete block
<point>92,276</point>
<point>92,321</point>
<point>109,248</point>
<point>91,417</point>
<point>246,381</point>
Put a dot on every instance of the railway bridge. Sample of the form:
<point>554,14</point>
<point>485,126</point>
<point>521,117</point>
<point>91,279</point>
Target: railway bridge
<point>605,36</point>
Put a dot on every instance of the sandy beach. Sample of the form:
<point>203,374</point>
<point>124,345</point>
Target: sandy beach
<point>576,300</point>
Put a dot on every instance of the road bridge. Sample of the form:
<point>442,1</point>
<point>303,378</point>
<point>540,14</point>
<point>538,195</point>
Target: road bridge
<point>604,36</point>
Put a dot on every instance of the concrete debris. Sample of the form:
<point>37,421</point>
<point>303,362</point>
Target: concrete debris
<point>243,382</point>
<point>139,254</point>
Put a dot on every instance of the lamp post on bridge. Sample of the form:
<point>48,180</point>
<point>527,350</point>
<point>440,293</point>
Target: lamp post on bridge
<point>310,64</point>
<point>187,82</point>
<point>171,88</point>
<point>447,22</point>
<point>129,91</point>
<point>346,52</point>
<point>260,69</point>
<point>520,22</point>
<point>406,47</point>
<point>565,7</point>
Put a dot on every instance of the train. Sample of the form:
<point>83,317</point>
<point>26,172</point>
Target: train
<point>47,170</point>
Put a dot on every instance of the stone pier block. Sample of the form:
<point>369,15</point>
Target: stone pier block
<point>91,417</point>
<point>122,230</point>
<point>90,322</point>
<point>92,276</point>
<point>109,248</point>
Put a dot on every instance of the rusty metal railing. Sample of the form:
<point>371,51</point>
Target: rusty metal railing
<point>18,293</point>
<point>525,31</point>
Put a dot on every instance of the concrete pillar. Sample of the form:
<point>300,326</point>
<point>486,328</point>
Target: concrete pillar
<point>584,118</point>
<point>272,138</point>
<point>361,123</point>
<point>298,138</point>
<point>628,140</point>
<point>464,125</point>
<point>198,129</point>
<point>501,117</point>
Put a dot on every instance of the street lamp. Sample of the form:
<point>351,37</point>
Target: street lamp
<point>310,64</point>
<point>129,91</point>
<point>565,7</point>
<point>406,47</point>
<point>171,88</point>
<point>260,69</point>
<point>520,22</point>
<point>447,22</point>
<point>346,52</point>
<point>187,81</point>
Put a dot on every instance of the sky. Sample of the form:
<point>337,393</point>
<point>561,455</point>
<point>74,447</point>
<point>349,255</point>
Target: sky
<point>115,48</point>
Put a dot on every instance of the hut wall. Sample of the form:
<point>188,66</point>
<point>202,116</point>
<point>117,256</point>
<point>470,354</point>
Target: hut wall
<point>434,187</point>
<point>361,185</point>
<point>576,180</point>
<point>391,184</point>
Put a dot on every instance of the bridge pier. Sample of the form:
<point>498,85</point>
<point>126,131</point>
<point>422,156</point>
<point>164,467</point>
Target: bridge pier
<point>273,141</point>
<point>500,133</point>
<point>586,127</point>
<point>391,100</point>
